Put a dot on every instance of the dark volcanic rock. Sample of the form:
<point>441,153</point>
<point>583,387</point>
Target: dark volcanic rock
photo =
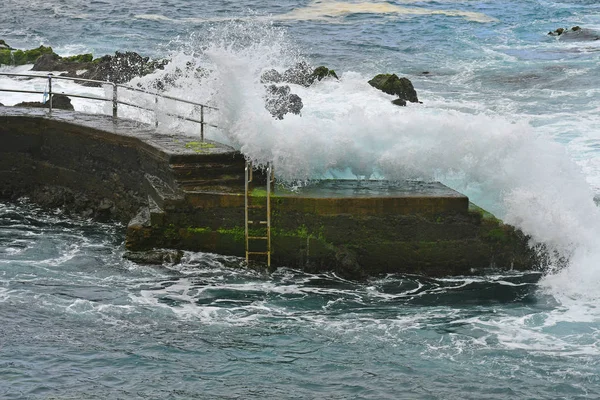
<point>122,67</point>
<point>557,32</point>
<point>576,34</point>
<point>279,101</point>
<point>54,62</point>
<point>59,101</point>
<point>299,74</point>
<point>1,105</point>
<point>4,45</point>
<point>10,56</point>
<point>391,84</point>
<point>271,76</point>
<point>322,72</point>
<point>399,102</point>
<point>156,256</point>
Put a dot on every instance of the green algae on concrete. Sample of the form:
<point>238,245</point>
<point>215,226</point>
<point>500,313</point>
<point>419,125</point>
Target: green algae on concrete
<point>199,147</point>
<point>190,201</point>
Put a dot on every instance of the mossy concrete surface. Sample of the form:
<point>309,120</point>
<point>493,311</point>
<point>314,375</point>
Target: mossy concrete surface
<point>190,196</point>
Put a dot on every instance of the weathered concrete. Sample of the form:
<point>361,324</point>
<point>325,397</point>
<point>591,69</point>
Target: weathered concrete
<point>183,194</point>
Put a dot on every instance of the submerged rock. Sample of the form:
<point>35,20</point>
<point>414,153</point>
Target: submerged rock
<point>59,101</point>
<point>576,34</point>
<point>391,84</point>
<point>279,101</point>
<point>156,256</point>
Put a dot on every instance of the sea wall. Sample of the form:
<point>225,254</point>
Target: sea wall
<point>81,167</point>
<point>177,193</point>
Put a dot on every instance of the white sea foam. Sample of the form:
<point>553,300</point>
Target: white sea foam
<point>524,176</point>
<point>330,10</point>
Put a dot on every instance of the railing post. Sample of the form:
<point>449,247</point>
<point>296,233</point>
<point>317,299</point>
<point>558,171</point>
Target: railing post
<point>114,101</point>
<point>202,123</point>
<point>155,111</point>
<point>50,92</point>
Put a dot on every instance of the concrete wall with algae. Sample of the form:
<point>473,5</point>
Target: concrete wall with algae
<point>176,192</point>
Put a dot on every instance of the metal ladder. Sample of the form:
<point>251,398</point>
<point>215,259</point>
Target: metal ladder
<point>266,223</point>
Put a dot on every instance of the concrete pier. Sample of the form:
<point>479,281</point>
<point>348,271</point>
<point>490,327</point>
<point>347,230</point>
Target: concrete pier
<point>176,192</point>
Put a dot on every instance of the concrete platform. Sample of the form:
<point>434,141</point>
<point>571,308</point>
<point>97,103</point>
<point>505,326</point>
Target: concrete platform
<point>179,193</point>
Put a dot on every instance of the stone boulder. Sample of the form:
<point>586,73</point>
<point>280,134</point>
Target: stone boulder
<point>54,62</point>
<point>391,84</point>
<point>59,101</point>
<point>271,76</point>
<point>4,45</point>
<point>155,256</point>
<point>576,34</point>
<point>279,101</point>
<point>300,74</point>
<point>323,72</point>
<point>1,105</point>
<point>9,56</point>
<point>121,68</point>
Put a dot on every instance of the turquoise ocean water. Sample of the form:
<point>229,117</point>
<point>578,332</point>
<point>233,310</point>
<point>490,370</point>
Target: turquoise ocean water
<point>510,116</point>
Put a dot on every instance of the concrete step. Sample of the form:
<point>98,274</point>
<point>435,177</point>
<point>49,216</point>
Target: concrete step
<point>160,192</point>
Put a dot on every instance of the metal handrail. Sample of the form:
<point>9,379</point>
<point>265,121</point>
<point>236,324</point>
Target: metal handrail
<point>115,101</point>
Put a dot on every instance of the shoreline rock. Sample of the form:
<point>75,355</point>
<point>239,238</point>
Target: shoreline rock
<point>401,87</point>
<point>59,101</point>
<point>300,74</point>
<point>118,68</point>
<point>279,101</point>
<point>10,56</point>
<point>576,34</point>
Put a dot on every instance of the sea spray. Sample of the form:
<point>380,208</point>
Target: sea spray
<point>348,129</point>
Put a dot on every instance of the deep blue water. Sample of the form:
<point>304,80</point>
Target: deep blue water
<point>510,117</point>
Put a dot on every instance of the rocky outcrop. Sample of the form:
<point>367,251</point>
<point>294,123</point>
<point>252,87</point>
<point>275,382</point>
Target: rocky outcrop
<point>323,72</point>
<point>401,87</point>
<point>279,101</point>
<point>576,34</point>
<point>59,101</point>
<point>4,45</point>
<point>54,62</point>
<point>155,256</point>
<point>122,67</point>
<point>300,74</point>
<point>1,105</point>
<point>9,56</point>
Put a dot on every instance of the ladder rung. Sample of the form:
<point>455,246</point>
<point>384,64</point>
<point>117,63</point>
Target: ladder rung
<point>265,253</point>
<point>258,237</point>
<point>257,222</point>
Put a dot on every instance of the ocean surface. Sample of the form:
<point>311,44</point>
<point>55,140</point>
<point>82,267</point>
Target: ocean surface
<point>510,117</point>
